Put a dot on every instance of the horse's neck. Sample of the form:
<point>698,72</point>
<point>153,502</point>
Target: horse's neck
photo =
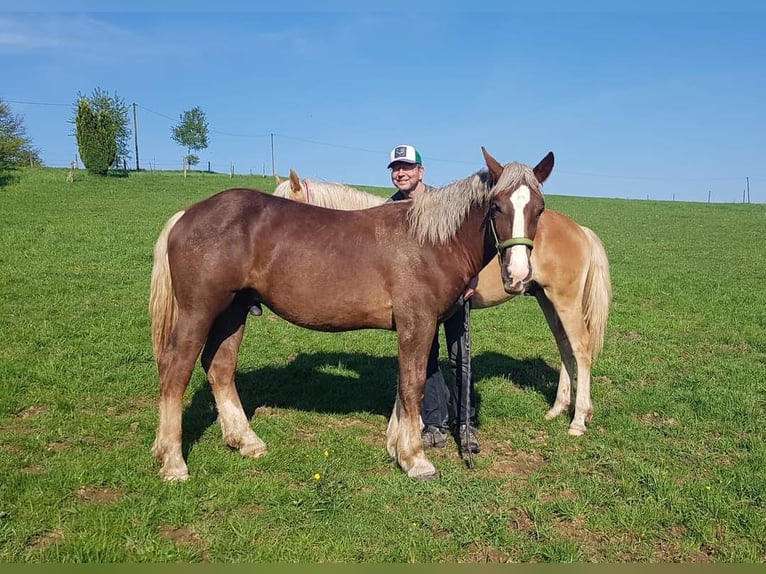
<point>472,238</point>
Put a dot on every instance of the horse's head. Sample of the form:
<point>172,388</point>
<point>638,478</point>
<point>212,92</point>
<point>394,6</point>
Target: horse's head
<point>516,208</point>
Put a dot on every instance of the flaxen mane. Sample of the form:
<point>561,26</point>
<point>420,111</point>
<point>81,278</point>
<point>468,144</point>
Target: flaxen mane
<point>436,215</point>
<point>332,195</point>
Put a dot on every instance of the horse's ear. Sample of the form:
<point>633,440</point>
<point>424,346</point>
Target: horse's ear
<point>543,169</point>
<point>276,179</point>
<point>493,165</point>
<point>295,181</point>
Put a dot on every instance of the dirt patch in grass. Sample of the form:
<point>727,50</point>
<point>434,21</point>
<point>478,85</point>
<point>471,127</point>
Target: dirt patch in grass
<point>57,446</point>
<point>180,536</point>
<point>553,496</point>
<point>576,531</point>
<point>99,494</point>
<point>32,411</point>
<point>509,461</point>
<point>48,539</point>
<point>655,420</point>
<point>670,548</point>
<point>479,553</point>
<point>521,522</point>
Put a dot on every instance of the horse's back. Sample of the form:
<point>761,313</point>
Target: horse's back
<point>562,251</point>
<point>313,266</point>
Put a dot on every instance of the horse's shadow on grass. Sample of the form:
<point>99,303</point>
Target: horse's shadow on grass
<point>342,383</point>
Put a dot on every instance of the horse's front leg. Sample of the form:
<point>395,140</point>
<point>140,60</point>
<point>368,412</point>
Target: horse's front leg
<point>572,337</point>
<point>219,359</point>
<point>566,372</point>
<point>404,429</point>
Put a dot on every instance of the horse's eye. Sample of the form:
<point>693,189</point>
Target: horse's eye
<point>495,208</point>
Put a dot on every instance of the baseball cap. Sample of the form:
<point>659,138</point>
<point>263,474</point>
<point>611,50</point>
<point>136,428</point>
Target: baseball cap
<point>406,154</point>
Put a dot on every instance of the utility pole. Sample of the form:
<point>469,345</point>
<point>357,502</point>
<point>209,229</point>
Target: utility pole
<point>135,135</point>
<point>273,168</point>
<point>748,188</point>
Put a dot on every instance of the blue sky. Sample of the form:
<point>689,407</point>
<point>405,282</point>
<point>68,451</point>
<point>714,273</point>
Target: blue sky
<point>665,101</point>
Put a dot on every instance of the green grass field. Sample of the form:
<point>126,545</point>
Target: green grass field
<point>672,469</point>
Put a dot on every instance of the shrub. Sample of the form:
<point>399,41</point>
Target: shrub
<point>96,137</point>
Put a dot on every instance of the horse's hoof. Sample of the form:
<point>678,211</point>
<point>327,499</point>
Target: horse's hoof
<point>423,471</point>
<point>576,430</point>
<point>554,412</point>
<point>425,477</point>
<point>174,476</point>
<point>253,450</point>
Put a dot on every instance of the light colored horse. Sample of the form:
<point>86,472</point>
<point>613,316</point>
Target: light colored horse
<point>570,280</point>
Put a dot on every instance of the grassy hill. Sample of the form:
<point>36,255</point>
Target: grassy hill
<point>671,469</point>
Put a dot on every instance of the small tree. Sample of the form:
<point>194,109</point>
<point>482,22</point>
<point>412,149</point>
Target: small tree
<point>191,133</point>
<point>111,109</point>
<point>96,137</point>
<point>15,147</point>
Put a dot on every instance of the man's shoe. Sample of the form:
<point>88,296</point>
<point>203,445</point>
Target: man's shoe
<point>469,442</point>
<point>434,437</point>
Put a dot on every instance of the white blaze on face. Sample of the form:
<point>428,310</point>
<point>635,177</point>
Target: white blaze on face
<point>519,267</point>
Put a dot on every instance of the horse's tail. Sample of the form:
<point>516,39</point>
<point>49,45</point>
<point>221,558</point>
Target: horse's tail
<point>597,295</point>
<point>163,307</point>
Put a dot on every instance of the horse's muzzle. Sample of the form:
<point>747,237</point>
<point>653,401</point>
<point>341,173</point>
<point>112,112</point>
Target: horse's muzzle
<point>514,286</point>
<point>515,289</point>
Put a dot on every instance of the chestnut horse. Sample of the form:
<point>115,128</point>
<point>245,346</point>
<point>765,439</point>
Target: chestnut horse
<point>402,266</point>
<point>570,280</point>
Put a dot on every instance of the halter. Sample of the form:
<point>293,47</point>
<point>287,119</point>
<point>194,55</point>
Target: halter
<point>503,245</point>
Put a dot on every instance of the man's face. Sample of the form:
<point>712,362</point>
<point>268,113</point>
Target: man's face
<point>406,176</point>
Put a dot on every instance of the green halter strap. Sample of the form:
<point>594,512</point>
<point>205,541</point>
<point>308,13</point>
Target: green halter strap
<point>502,245</point>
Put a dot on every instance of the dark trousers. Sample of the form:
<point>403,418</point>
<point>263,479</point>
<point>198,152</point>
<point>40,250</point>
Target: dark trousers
<point>438,394</point>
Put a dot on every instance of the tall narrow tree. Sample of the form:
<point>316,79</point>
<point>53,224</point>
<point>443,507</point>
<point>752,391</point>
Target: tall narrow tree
<point>109,115</point>
<point>96,137</point>
<point>192,133</point>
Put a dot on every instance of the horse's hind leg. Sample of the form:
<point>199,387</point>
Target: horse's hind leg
<point>219,359</point>
<point>175,366</point>
<point>580,337</point>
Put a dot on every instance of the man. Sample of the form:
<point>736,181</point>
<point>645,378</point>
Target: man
<point>407,172</point>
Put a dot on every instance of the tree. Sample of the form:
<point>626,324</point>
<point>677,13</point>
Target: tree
<point>15,147</point>
<point>111,109</point>
<point>96,137</point>
<point>191,133</point>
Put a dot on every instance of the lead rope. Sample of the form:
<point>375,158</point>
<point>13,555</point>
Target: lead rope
<point>467,381</point>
